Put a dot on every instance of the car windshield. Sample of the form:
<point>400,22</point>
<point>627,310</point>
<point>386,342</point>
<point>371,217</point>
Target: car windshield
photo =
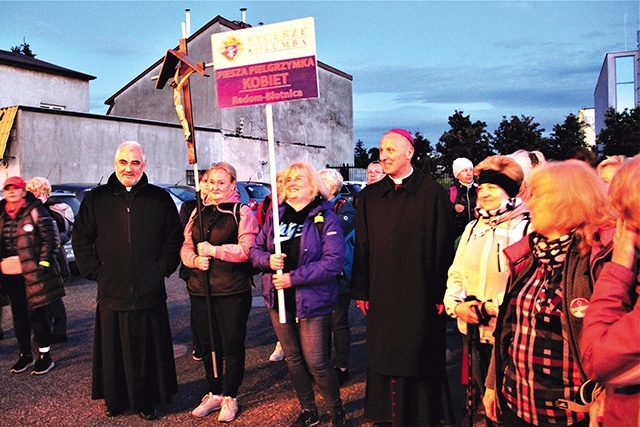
<point>257,191</point>
<point>183,193</point>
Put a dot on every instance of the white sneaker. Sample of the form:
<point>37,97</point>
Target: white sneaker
<point>229,409</point>
<point>210,402</point>
<point>278,353</point>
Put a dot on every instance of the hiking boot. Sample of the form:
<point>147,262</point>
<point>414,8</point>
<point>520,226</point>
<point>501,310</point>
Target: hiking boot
<point>307,418</point>
<point>278,353</point>
<point>43,365</point>
<point>339,419</point>
<point>210,402</point>
<point>229,409</point>
<point>25,361</point>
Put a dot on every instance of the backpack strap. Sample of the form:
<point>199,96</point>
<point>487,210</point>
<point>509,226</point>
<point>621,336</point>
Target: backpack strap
<point>453,194</point>
<point>319,222</point>
<point>525,231</point>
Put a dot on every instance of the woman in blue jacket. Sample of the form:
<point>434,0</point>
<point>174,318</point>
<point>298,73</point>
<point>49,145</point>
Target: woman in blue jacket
<point>312,256</point>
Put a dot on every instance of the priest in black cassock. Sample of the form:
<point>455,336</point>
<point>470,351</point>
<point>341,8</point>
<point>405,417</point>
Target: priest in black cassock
<point>404,247</point>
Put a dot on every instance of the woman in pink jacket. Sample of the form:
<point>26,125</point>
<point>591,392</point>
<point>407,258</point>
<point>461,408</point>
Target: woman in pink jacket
<point>229,229</point>
<point>610,342</point>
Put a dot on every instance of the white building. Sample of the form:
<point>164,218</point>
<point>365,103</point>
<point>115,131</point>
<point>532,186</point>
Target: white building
<point>618,85</point>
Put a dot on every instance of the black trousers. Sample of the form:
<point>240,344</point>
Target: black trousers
<point>24,321</point>
<point>229,316</point>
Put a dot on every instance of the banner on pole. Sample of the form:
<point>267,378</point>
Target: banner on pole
<point>266,64</point>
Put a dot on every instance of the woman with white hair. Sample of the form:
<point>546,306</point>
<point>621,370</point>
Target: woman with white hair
<point>340,328</point>
<point>63,216</point>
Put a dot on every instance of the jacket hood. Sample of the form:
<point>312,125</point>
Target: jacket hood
<point>234,197</point>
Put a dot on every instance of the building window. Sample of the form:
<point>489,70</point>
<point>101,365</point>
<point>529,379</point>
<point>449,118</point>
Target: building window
<point>51,106</point>
<point>625,93</point>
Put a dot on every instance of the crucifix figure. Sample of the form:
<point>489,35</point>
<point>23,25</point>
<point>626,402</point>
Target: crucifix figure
<point>178,84</point>
<point>178,65</point>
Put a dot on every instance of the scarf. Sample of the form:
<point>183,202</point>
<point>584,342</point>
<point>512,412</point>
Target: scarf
<point>12,209</point>
<point>551,253</point>
<point>491,214</point>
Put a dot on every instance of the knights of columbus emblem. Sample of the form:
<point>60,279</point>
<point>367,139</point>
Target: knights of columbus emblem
<point>231,47</point>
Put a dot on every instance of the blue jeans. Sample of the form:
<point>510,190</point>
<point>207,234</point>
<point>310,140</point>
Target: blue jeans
<point>306,349</point>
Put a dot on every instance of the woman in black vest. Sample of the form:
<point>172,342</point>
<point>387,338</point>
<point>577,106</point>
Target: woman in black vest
<point>221,268</point>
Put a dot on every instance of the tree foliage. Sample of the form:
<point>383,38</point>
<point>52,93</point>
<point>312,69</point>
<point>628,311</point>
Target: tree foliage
<point>464,139</point>
<point>622,133</point>
<point>374,154</point>
<point>360,157</point>
<point>24,49</point>
<point>422,149</point>
<point>519,133</point>
<point>565,137</point>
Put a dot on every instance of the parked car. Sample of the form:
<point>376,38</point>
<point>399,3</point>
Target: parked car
<point>79,190</point>
<point>71,199</point>
<point>180,193</point>
<point>349,190</point>
<point>252,193</point>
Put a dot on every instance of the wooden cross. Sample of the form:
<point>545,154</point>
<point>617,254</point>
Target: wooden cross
<point>180,67</point>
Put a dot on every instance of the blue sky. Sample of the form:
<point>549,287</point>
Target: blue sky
<point>413,62</point>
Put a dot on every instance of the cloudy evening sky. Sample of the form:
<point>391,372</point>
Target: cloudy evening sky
<point>413,62</point>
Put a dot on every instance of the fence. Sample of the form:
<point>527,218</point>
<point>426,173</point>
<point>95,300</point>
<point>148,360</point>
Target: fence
<point>351,173</point>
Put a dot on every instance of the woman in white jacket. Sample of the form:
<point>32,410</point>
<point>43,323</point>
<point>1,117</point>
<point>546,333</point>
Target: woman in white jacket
<point>479,273</point>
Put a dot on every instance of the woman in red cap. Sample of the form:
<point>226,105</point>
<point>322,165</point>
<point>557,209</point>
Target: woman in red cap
<point>29,271</point>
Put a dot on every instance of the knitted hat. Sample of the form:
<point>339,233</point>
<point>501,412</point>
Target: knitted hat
<point>459,164</point>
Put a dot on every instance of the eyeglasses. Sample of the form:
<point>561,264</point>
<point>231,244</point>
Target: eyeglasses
<point>534,159</point>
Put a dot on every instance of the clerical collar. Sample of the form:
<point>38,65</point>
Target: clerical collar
<point>398,181</point>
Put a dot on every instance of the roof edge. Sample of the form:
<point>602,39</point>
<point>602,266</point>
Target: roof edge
<point>28,63</point>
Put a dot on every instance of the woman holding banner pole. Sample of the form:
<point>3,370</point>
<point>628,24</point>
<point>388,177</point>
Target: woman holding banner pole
<point>229,231</point>
<point>312,246</point>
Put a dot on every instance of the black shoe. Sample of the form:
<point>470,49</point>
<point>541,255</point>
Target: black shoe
<point>149,413</point>
<point>112,412</point>
<point>58,338</point>
<point>43,365</point>
<point>307,418</point>
<point>25,361</point>
<point>339,419</point>
<point>342,375</point>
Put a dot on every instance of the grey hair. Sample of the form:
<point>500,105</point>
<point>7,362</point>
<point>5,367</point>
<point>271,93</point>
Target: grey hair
<point>131,145</point>
<point>333,176</point>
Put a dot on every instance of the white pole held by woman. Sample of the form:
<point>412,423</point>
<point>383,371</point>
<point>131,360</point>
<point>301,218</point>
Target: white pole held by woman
<point>274,205</point>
